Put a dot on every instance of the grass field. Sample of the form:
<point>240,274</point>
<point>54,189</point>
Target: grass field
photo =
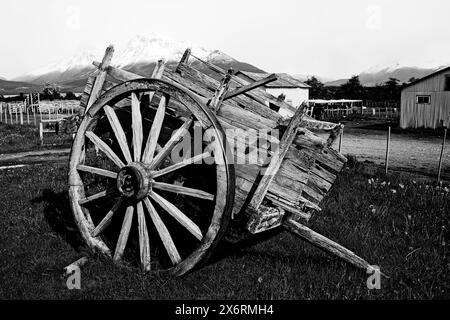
<point>399,224</point>
<point>18,138</point>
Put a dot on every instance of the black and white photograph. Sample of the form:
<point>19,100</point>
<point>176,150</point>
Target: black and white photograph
<point>222,157</point>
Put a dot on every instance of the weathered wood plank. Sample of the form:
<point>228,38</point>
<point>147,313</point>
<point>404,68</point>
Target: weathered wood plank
<point>101,77</point>
<point>277,159</point>
<point>251,86</point>
<point>324,243</point>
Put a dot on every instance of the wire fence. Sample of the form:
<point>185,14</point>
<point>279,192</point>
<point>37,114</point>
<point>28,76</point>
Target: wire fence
<point>400,151</point>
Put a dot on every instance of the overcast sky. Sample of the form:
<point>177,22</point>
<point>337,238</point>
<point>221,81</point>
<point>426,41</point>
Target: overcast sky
<point>328,38</point>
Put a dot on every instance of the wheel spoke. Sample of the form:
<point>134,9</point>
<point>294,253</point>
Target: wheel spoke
<point>178,215</point>
<point>99,171</point>
<point>154,132</point>
<point>183,190</point>
<point>163,233</point>
<point>144,242</point>
<point>137,127</point>
<point>176,137</point>
<point>107,219</point>
<point>180,164</point>
<point>118,131</point>
<point>96,196</point>
<point>124,233</point>
<point>105,148</point>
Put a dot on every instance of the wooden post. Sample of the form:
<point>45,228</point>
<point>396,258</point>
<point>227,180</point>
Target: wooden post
<point>28,115</point>
<point>1,111</point>
<point>10,114</point>
<point>41,133</point>
<point>17,116</point>
<point>340,139</point>
<point>21,116</point>
<point>440,157</point>
<point>34,115</point>
<point>386,163</point>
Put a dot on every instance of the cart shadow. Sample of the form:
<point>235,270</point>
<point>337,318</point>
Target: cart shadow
<point>244,248</point>
<point>58,215</point>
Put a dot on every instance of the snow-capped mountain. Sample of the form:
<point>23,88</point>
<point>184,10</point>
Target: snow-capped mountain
<point>138,55</point>
<point>379,74</point>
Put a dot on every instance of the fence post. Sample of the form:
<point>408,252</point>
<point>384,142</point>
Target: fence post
<point>386,163</point>
<point>340,139</point>
<point>440,157</point>
<point>1,111</point>
<point>41,133</point>
<point>21,116</point>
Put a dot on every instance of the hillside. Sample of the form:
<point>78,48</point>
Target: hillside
<point>16,87</point>
<point>375,76</point>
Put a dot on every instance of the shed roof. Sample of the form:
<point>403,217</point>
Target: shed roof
<point>443,69</point>
<point>284,80</point>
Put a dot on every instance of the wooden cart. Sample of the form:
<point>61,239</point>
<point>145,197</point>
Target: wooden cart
<point>156,177</point>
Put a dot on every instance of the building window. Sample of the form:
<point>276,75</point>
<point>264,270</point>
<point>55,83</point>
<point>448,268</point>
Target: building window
<point>447,83</point>
<point>423,99</point>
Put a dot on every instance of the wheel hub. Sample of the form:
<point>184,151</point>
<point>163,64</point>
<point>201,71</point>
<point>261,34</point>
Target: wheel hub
<point>133,181</point>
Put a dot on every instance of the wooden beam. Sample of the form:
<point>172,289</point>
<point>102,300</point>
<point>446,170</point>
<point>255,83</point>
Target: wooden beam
<point>220,92</point>
<point>101,77</point>
<point>324,243</point>
<point>277,159</point>
<point>119,74</point>
<point>184,59</point>
<point>250,86</point>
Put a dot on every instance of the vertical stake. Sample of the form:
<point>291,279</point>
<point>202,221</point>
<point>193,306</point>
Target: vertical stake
<point>440,157</point>
<point>41,133</point>
<point>340,139</point>
<point>386,163</point>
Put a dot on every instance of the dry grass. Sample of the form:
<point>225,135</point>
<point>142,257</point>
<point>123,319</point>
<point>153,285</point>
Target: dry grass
<point>404,232</point>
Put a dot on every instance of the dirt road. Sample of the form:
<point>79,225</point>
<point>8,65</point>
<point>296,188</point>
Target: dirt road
<point>407,152</point>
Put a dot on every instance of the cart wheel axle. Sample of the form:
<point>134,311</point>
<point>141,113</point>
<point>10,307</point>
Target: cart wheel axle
<point>133,181</point>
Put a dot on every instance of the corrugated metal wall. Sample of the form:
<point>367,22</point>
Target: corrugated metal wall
<point>414,115</point>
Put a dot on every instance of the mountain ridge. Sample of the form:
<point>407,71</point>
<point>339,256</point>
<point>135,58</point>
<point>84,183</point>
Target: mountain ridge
<point>138,55</point>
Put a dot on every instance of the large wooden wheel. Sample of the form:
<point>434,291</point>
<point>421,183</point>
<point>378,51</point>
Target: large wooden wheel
<point>131,198</point>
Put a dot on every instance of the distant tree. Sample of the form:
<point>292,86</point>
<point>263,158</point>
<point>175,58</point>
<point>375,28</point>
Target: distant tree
<point>317,90</point>
<point>392,89</point>
<point>352,89</point>
<point>51,92</point>
<point>412,79</point>
<point>70,96</point>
